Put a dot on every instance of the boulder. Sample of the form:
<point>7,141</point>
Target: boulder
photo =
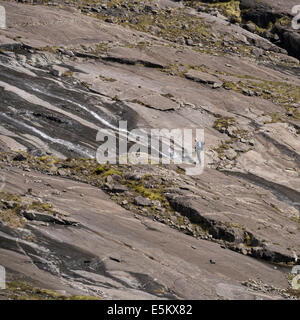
<point>118,188</point>
<point>141,201</point>
<point>58,71</point>
<point>45,217</point>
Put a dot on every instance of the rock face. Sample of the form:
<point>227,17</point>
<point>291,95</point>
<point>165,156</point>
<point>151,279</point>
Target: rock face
<point>276,13</point>
<point>70,223</point>
<point>272,20</point>
<point>260,12</point>
<point>110,254</point>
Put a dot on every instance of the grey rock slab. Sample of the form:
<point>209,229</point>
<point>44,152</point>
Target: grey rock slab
<point>133,56</point>
<point>159,102</point>
<point>141,201</point>
<point>112,231</point>
<point>203,77</point>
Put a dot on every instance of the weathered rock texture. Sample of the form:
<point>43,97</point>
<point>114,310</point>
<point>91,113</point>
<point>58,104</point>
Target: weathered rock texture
<point>68,224</point>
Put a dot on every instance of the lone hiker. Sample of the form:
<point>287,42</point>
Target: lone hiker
<point>199,148</point>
